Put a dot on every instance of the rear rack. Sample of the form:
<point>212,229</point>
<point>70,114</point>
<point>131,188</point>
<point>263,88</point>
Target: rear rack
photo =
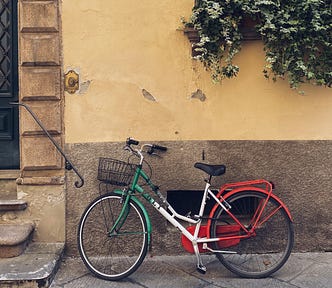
<point>260,183</point>
<point>68,164</point>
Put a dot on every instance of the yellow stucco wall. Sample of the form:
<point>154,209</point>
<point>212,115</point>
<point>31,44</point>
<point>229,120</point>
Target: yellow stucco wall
<point>122,47</point>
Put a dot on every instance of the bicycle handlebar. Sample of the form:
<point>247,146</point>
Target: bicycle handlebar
<point>158,147</point>
<point>131,141</point>
<point>139,151</point>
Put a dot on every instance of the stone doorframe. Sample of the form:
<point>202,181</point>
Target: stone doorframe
<point>41,87</point>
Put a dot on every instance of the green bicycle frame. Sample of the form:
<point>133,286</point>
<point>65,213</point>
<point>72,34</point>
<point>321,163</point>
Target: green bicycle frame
<point>128,195</point>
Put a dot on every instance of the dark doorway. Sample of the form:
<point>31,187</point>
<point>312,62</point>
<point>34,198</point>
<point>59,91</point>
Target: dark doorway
<point>9,131</point>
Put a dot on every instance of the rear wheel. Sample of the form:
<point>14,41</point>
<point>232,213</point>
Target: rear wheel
<point>267,249</point>
<point>112,255</point>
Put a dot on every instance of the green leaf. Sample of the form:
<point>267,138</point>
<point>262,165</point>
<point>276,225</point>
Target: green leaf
<point>296,34</point>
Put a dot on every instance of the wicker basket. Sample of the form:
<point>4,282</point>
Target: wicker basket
<point>115,172</point>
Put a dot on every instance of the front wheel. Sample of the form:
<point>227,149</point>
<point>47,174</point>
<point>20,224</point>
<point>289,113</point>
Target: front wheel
<point>268,247</point>
<point>110,246</point>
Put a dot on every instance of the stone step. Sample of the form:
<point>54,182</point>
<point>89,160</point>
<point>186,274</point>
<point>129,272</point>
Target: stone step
<point>9,174</point>
<point>14,238</point>
<point>35,268</point>
<point>12,205</point>
<point>8,189</point>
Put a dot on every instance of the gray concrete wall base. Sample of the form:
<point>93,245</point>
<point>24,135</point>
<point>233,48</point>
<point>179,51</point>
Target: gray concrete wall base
<point>301,171</point>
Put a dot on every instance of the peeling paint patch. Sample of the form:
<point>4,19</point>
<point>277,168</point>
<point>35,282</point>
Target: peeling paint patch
<point>198,95</point>
<point>84,86</point>
<point>21,195</point>
<point>147,95</point>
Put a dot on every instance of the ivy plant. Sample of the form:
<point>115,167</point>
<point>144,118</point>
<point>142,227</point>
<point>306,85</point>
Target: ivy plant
<point>297,37</point>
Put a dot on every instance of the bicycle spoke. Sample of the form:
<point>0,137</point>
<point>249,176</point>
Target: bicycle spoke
<point>268,244</point>
<point>257,212</point>
<point>112,256</point>
<point>266,218</point>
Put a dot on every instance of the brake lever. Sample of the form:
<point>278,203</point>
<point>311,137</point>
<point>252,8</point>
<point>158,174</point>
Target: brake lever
<point>128,148</point>
<point>151,153</point>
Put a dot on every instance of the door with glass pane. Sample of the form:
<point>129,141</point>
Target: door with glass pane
<point>9,131</point>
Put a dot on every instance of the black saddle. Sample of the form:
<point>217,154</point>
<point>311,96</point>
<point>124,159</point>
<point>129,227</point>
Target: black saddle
<point>212,170</point>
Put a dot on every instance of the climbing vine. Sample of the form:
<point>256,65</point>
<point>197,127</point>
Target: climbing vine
<point>297,37</point>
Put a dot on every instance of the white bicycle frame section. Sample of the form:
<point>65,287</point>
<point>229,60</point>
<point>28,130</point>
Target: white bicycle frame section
<point>172,217</point>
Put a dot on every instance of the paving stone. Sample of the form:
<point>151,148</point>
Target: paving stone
<point>34,268</point>
<point>88,281</point>
<point>295,265</point>
<point>71,270</point>
<point>166,275</point>
<point>317,275</point>
<point>180,272</point>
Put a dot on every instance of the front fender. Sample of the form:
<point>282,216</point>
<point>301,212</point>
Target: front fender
<point>146,215</point>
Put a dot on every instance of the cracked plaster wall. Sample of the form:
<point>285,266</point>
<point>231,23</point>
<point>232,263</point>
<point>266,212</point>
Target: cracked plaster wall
<point>140,81</point>
<point>125,48</point>
<point>46,210</point>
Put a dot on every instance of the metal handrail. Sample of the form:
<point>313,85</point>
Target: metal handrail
<point>68,164</point>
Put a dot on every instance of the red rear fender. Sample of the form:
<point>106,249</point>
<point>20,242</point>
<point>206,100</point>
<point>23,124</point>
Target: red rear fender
<point>245,189</point>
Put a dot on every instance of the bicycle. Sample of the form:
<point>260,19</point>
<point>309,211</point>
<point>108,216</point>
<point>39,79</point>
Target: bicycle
<point>249,228</point>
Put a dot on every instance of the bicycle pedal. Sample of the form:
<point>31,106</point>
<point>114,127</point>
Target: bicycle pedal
<point>201,269</point>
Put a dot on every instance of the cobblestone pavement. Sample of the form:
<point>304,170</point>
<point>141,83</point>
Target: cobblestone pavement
<point>303,270</point>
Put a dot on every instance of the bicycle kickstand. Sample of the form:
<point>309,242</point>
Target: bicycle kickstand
<point>201,268</point>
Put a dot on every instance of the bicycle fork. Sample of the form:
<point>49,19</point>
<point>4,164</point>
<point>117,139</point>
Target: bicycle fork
<point>121,219</point>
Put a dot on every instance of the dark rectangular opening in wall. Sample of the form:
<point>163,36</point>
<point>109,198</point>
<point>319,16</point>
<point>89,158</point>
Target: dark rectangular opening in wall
<point>189,201</point>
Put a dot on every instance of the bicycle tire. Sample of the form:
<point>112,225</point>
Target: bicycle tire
<point>263,254</point>
<point>112,257</point>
